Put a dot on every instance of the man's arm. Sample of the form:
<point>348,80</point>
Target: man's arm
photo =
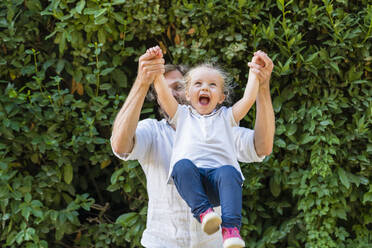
<point>126,121</point>
<point>264,128</point>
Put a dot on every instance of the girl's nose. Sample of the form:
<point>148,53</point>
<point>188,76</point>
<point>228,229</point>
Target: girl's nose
<point>204,87</point>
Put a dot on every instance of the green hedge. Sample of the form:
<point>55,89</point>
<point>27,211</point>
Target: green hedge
<point>67,67</point>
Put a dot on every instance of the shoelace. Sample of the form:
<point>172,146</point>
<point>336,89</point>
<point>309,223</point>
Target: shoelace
<point>204,214</point>
<point>233,231</point>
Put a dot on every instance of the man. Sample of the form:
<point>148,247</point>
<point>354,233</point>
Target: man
<point>169,220</point>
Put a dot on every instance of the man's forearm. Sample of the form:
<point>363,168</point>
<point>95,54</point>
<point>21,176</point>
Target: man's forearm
<point>126,121</point>
<point>265,123</point>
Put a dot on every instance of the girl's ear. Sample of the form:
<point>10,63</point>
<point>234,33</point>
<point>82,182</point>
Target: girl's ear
<point>222,98</point>
<point>187,94</point>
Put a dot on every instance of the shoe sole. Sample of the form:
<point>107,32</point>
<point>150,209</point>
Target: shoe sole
<point>211,223</point>
<point>233,243</point>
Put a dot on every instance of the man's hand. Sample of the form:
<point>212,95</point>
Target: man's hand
<point>264,128</point>
<point>149,66</point>
<point>263,66</point>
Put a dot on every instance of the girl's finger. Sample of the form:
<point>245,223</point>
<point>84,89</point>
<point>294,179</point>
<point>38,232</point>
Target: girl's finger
<point>267,60</point>
<point>255,70</point>
<point>254,65</point>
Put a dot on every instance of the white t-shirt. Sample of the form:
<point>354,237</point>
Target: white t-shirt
<point>170,223</point>
<point>206,140</point>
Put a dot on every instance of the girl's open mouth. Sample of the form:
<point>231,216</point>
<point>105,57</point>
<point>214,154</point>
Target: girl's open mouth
<point>204,100</point>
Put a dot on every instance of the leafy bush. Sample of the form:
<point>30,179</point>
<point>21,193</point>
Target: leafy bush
<point>67,67</point>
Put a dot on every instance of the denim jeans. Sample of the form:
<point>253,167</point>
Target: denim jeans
<point>203,188</point>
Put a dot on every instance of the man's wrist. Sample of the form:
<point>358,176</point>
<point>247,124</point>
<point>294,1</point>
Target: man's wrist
<point>264,87</point>
<point>143,83</point>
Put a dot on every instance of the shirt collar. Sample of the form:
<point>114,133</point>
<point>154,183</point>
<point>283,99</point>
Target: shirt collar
<point>194,112</point>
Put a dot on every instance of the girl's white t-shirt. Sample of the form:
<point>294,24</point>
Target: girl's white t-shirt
<point>206,140</point>
<point>170,223</point>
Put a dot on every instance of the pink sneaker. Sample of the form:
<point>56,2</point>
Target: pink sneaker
<point>231,238</point>
<point>210,221</point>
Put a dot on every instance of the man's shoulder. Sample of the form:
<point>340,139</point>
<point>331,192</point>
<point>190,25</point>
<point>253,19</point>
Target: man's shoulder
<point>240,129</point>
<point>153,124</point>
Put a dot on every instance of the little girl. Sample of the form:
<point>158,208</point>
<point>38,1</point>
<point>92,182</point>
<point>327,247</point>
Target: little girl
<point>204,165</point>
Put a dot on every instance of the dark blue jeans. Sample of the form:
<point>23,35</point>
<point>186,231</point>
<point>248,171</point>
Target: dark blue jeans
<point>203,188</point>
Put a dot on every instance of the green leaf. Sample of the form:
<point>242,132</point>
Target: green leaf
<point>117,2</point>
<point>306,138</point>
<point>124,219</point>
<point>367,197</point>
<point>80,6</point>
<point>62,43</point>
<point>100,12</point>
<point>101,36</point>
<point>120,78</point>
<point>291,129</point>
<point>277,104</point>
<point>100,20</point>
<point>241,3</point>
<point>79,104</point>
<point>280,129</point>
<point>280,4</point>
<point>274,187</point>
<point>28,197</point>
<point>116,175</point>
<point>119,17</point>
<point>335,66</point>
<point>127,188</point>
<point>107,71</point>
<point>105,87</point>
<point>68,173</point>
<point>34,5</point>
<point>343,177</point>
<point>341,213</point>
<point>280,143</point>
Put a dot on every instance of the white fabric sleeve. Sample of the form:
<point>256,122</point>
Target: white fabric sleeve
<point>180,114</point>
<point>228,115</point>
<point>244,145</point>
<point>143,139</point>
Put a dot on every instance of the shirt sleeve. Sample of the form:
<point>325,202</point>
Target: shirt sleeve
<point>179,115</point>
<point>143,140</point>
<point>228,115</point>
<point>244,144</point>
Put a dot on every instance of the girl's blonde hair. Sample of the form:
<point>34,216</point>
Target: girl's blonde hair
<point>227,82</point>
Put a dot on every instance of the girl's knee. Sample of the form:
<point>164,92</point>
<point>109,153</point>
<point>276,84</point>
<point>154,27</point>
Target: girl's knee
<point>183,166</point>
<point>228,172</point>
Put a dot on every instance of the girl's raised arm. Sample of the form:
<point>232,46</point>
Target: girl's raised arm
<point>165,96</point>
<point>164,93</point>
<point>241,108</point>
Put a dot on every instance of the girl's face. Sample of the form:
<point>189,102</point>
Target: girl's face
<point>205,90</point>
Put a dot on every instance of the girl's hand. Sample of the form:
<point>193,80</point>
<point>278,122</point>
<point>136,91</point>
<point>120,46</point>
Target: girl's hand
<point>262,66</point>
<point>150,65</point>
<point>155,51</point>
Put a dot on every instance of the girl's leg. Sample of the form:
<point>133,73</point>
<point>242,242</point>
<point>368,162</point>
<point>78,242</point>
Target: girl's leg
<point>227,184</point>
<point>188,181</point>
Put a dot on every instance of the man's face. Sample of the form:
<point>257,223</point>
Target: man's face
<point>174,79</point>
<point>175,82</point>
